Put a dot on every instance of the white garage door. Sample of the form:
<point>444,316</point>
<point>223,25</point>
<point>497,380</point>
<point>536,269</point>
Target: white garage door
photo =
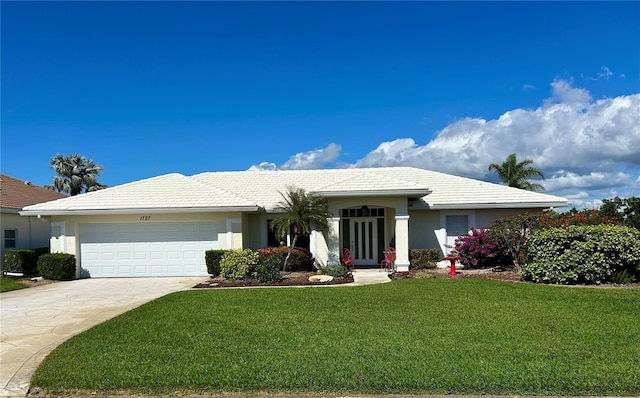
<point>145,249</point>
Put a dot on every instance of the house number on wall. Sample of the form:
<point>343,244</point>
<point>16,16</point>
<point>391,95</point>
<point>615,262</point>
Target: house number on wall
<point>145,218</point>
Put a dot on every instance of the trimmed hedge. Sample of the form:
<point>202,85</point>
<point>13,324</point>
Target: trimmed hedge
<point>238,264</point>
<point>212,259</point>
<point>57,266</point>
<point>423,258</point>
<point>20,260</point>
<point>589,254</point>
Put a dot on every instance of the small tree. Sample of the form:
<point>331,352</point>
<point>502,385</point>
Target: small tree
<point>510,235</point>
<point>301,213</point>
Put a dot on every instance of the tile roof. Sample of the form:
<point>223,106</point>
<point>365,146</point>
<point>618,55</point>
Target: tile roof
<point>253,189</point>
<point>16,194</point>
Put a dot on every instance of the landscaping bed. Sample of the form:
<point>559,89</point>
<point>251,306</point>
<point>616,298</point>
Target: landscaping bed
<point>288,279</point>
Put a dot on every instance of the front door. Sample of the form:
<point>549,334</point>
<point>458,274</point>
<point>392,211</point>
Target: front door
<point>364,240</point>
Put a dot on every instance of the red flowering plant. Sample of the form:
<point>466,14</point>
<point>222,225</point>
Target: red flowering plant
<point>586,217</point>
<point>475,249</point>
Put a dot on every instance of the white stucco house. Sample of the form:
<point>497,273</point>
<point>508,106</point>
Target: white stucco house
<point>22,232</point>
<point>162,226</point>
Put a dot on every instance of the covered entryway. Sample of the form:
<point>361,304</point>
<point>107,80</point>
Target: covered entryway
<point>145,249</point>
<point>363,233</point>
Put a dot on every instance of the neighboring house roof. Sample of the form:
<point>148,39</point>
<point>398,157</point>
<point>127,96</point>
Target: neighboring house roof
<point>16,194</point>
<point>256,189</point>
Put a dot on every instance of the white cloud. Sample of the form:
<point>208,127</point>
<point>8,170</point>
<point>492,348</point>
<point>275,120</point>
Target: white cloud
<point>605,74</point>
<point>315,159</point>
<point>579,143</point>
<point>564,92</point>
<point>583,146</point>
<point>528,87</point>
<point>264,166</point>
<point>564,180</point>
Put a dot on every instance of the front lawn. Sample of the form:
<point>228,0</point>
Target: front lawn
<point>8,283</point>
<point>435,336</point>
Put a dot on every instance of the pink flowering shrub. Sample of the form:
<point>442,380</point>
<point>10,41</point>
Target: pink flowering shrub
<point>476,249</point>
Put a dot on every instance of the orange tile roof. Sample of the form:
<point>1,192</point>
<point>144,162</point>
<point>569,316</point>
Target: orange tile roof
<point>16,194</point>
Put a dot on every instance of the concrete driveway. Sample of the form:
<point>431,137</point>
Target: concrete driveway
<point>36,320</point>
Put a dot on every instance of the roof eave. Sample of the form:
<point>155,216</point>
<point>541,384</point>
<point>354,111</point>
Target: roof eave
<point>513,205</point>
<point>9,210</point>
<point>166,210</point>
<point>412,193</point>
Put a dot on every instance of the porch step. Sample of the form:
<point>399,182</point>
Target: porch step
<point>370,276</point>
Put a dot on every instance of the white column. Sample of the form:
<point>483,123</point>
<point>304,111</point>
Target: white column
<point>402,243</point>
<point>333,241</point>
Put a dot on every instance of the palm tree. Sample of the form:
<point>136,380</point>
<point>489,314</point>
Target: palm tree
<point>517,174</point>
<point>76,174</point>
<point>301,214</point>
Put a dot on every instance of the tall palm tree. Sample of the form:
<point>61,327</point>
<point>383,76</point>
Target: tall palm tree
<point>301,213</point>
<point>76,174</point>
<point>517,174</point>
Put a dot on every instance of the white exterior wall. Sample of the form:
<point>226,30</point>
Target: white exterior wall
<point>31,232</point>
<point>427,227</point>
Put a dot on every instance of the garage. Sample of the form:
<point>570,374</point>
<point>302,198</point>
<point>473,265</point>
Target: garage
<point>145,249</point>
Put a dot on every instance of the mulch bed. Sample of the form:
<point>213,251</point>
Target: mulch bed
<point>289,279</point>
<point>506,276</point>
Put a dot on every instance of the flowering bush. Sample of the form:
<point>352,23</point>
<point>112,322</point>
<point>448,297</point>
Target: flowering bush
<point>475,249</point>
<point>593,217</point>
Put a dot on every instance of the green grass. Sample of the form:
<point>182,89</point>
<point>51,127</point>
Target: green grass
<point>8,284</point>
<point>433,336</point>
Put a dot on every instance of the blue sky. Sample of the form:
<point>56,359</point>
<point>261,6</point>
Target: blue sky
<point>149,88</point>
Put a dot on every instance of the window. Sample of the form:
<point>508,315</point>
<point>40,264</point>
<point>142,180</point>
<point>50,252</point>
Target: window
<point>10,238</point>
<point>364,211</point>
<point>457,225</point>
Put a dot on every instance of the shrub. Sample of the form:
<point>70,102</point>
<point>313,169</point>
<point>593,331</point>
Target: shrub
<point>589,254</point>
<point>238,264</point>
<point>300,260</point>
<point>510,235</point>
<point>337,271</point>
<point>423,258</point>
<point>212,259</point>
<point>268,269</point>
<point>40,251</point>
<point>20,260</point>
<point>57,266</point>
<point>475,249</point>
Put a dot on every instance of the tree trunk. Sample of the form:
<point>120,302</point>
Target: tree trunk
<point>293,244</point>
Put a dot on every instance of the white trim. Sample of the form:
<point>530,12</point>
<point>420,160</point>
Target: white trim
<point>399,218</point>
<point>230,222</point>
<point>418,193</point>
<point>62,238</point>
<point>513,205</point>
<point>135,211</point>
